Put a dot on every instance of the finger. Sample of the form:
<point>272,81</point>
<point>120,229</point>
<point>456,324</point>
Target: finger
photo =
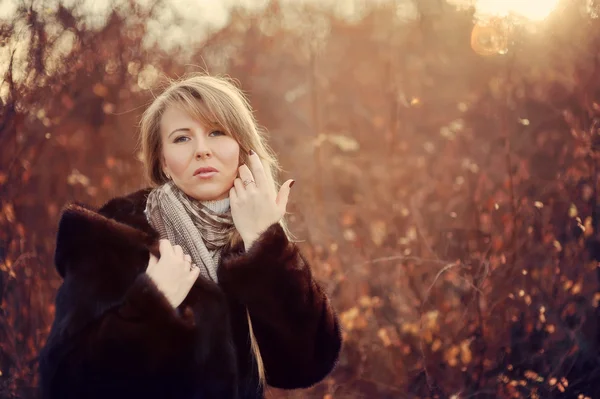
<point>194,272</point>
<point>187,258</point>
<point>233,196</point>
<point>284,194</point>
<point>165,247</point>
<point>178,251</point>
<point>152,262</point>
<point>246,176</point>
<point>257,169</point>
<point>239,188</point>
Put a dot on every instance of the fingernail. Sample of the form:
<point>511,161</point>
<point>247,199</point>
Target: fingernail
<point>292,183</point>
<point>251,152</point>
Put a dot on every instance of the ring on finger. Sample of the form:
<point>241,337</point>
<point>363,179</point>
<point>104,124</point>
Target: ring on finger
<point>246,182</point>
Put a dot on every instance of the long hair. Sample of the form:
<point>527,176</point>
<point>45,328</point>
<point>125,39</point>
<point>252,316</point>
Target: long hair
<point>216,103</point>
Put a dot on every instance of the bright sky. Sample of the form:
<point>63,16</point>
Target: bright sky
<point>199,18</point>
<point>214,12</point>
<point>202,16</point>
<point>534,10</point>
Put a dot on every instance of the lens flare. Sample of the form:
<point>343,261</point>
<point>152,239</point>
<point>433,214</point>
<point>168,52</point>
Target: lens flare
<point>534,10</point>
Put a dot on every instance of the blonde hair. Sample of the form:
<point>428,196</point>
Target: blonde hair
<point>216,103</point>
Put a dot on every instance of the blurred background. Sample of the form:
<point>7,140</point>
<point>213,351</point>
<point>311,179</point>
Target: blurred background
<point>445,153</point>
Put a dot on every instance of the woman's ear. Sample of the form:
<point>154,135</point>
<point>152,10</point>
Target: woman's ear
<point>164,168</point>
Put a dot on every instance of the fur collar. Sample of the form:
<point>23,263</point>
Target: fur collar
<point>107,248</point>
<point>87,233</point>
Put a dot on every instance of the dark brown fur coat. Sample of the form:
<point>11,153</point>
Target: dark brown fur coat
<point>116,336</point>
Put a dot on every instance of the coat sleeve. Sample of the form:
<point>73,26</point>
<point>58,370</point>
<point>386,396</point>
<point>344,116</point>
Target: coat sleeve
<point>104,352</point>
<point>112,330</point>
<point>294,323</point>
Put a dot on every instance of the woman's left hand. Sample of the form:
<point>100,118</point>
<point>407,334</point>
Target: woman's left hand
<point>254,204</point>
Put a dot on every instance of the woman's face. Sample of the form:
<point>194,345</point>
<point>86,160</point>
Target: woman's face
<point>202,162</point>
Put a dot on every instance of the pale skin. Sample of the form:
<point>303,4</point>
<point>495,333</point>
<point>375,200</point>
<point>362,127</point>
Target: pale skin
<point>187,146</point>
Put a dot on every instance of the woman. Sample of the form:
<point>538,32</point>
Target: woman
<point>190,289</point>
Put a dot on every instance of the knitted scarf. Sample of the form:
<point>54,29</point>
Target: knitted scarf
<point>201,228</point>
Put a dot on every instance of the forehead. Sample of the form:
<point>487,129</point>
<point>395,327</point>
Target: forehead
<point>177,117</point>
<point>174,115</point>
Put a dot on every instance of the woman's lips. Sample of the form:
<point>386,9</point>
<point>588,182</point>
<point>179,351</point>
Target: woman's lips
<point>205,172</point>
<point>205,175</point>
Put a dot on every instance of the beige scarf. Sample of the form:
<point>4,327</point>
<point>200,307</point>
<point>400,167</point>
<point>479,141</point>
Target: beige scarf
<point>201,228</point>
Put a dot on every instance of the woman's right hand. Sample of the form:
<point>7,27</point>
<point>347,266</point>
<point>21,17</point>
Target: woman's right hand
<point>173,273</point>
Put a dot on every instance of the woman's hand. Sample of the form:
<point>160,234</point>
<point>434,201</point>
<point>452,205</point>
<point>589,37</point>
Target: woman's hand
<point>254,204</point>
<point>173,273</point>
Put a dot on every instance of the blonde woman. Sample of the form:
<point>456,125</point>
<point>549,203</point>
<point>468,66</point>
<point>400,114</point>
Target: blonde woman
<point>190,288</point>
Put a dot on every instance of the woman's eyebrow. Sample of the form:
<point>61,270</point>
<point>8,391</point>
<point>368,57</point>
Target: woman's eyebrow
<point>185,129</point>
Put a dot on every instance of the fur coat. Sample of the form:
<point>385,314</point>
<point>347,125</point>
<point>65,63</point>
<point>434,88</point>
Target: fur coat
<point>116,336</point>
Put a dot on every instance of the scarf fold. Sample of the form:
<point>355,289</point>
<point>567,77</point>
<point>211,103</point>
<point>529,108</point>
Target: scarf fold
<point>201,228</point>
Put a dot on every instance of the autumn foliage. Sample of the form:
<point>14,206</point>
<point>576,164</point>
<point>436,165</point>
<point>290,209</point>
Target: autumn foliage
<point>447,175</point>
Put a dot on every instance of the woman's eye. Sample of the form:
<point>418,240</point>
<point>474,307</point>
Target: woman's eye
<point>180,139</point>
<point>216,133</point>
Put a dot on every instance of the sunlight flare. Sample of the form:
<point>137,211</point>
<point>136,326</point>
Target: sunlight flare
<point>535,10</point>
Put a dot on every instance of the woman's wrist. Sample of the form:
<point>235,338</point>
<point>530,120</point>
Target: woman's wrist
<point>249,240</point>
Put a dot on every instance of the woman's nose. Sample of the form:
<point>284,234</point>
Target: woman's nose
<point>203,154</point>
<point>203,150</point>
